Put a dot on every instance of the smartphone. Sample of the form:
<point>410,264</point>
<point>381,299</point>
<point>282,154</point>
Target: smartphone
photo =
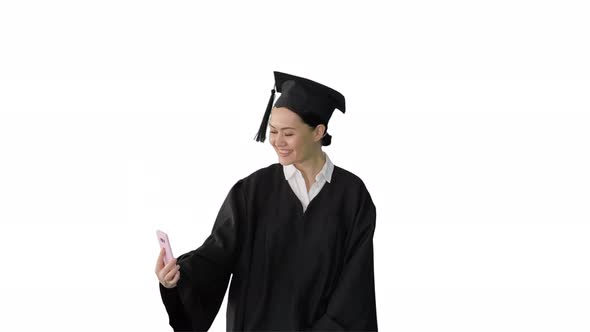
<point>165,243</point>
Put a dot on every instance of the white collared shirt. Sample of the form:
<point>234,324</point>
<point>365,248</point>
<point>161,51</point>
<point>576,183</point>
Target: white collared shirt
<point>297,182</point>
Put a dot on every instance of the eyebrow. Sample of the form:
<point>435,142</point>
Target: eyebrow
<point>281,128</point>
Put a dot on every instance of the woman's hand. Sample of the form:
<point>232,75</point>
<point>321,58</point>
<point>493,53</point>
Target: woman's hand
<point>168,274</point>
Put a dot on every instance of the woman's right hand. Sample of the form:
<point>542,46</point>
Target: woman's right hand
<point>168,274</point>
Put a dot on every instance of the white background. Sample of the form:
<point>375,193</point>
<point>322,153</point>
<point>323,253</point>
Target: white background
<point>468,122</point>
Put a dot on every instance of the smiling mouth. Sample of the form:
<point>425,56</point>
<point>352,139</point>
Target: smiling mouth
<point>284,153</point>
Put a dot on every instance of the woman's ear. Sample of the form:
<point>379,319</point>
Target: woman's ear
<point>319,132</point>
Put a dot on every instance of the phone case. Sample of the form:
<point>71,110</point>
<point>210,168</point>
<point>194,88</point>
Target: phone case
<point>165,243</point>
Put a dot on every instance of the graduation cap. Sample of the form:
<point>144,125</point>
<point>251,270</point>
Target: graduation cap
<point>312,101</point>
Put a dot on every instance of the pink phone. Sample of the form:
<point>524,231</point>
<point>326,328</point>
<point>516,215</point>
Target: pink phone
<point>165,243</point>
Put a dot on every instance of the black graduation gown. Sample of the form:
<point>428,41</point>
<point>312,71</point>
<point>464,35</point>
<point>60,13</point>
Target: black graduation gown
<point>292,271</point>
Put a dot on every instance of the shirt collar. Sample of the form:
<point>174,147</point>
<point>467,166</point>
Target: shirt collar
<point>325,172</point>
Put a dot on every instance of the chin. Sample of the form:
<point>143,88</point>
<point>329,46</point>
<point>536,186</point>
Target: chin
<point>288,160</point>
<point>284,161</point>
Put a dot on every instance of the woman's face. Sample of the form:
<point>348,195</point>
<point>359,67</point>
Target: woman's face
<point>293,140</point>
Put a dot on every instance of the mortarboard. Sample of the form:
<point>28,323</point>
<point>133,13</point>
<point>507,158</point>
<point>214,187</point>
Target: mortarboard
<point>312,101</point>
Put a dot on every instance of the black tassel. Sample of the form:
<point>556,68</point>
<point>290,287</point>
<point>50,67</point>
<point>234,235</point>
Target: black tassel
<point>261,135</point>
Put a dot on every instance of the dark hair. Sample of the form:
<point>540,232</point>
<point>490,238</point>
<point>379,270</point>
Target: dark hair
<point>313,121</point>
<point>327,140</point>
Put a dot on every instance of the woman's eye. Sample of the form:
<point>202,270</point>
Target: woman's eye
<point>274,132</point>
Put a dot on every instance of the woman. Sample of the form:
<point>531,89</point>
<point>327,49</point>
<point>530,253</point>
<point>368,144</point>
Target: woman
<point>296,235</point>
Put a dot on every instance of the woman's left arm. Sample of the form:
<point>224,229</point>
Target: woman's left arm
<point>352,305</point>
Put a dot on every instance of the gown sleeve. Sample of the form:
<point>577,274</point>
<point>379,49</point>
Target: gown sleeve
<point>352,306</point>
<point>205,272</point>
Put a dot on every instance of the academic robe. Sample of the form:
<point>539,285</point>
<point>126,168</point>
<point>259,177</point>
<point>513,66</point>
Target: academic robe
<point>291,270</point>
